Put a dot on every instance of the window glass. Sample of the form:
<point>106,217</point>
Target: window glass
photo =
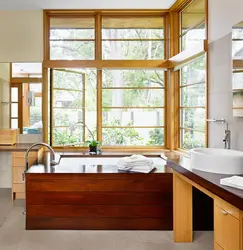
<point>237,41</point>
<point>193,104</point>
<point>193,30</point>
<point>74,106</point>
<point>132,38</point>
<point>133,107</point>
<point>72,38</point>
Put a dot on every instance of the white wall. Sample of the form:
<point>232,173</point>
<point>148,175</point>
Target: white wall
<point>223,14</point>
<point>21,36</point>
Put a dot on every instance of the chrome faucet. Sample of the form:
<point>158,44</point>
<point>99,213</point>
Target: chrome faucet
<point>226,138</point>
<point>52,157</point>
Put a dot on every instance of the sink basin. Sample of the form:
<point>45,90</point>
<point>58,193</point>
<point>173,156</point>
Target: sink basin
<point>215,160</point>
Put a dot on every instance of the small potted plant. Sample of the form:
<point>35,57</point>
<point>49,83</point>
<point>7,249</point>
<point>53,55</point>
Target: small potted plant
<point>93,144</point>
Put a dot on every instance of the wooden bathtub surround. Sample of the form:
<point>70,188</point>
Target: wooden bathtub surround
<point>104,200</point>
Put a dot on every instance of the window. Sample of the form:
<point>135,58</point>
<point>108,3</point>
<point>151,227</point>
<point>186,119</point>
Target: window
<point>133,107</point>
<point>132,37</point>
<point>193,104</point>
<point>72,38</point>
<point>73,106</point>
<point>193,30</point>
<point>122,106</point>
<point>14,107</point>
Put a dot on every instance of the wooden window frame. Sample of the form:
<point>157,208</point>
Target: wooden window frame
<point>97,63</point>
<point>173,60</point>
<point>177,60</point>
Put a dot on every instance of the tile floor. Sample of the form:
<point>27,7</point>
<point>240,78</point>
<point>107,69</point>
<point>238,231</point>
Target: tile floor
<point>14,237</point>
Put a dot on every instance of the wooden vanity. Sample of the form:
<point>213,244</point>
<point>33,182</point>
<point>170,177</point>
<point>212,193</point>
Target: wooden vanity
<point>18,165</point>
<point>228,204</point>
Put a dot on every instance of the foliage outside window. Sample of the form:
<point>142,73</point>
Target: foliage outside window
<point>193,24</point>
<point>193,104</point>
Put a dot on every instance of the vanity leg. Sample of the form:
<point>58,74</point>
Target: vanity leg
<point>182,210</point>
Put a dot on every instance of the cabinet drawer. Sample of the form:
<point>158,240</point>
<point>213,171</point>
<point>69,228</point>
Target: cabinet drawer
<point>225,206</point>
<point>20,162</point>
<point>18,188</point>
<point>22,154</point>
<point>18,174</point>
<point>226,229</point>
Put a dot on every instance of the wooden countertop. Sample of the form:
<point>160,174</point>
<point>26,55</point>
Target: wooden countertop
<point>18,147</point>
<point>73,165</point>
<point>209,181</point>
<point>76,154</point>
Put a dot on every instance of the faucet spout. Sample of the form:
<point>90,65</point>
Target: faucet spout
<point>52,154</point>
<point>226,139</point>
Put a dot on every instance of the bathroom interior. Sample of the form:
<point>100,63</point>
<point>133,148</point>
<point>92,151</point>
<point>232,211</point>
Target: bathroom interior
<point>121,125</point>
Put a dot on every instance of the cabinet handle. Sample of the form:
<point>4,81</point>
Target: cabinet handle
<point>225,212</point>
<point>23,176</point>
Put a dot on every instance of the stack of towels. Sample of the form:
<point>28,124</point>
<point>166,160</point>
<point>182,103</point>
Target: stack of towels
<point>234,181</point>
<point>136,163</point>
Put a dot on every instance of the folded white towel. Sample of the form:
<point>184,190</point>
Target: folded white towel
<point>234,181</point>
<point>136,163</point>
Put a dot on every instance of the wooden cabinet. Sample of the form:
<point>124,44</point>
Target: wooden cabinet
<point>226,226</point>
<point>18,168</point>
<point>8,136</point>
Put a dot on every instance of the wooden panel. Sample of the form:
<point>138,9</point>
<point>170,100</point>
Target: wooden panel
<point>94,211</point>
<point>99,201</point>
<point>115,64</point>
<point>18,174</point>
<point>19,196</point>
<point>98,223</point>
<point>95,185</point>
<point>227,207</point>
<point>18,188</point>
<point>8,136</point>
<point>21,80</point>
<point>182,210</point>
<point>101,198</point>
<point>20,162</point>
<point>217,246</point>
<point>226,230</point>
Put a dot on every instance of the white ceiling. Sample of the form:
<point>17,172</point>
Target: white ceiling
<point>84,4</point>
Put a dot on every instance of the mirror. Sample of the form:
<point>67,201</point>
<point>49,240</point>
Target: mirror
<point>21,97</point>
<point>237,78</point>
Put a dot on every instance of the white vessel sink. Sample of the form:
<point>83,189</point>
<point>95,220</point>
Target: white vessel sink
<point>214,160</point>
